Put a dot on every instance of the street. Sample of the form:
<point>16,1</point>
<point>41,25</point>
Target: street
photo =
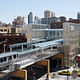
<point>59,77</point>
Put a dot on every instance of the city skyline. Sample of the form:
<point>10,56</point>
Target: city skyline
<point>10,9</point>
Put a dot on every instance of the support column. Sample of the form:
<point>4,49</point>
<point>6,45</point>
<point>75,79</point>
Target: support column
<point>22,48</point>
<point>25,75</point>
<point>46,63</point>
<point>4,47</point>
<point>48,67</point>
<point>51,48</point>
<point>10,49</point>
<point>42,50</point>
<point>20,74</point>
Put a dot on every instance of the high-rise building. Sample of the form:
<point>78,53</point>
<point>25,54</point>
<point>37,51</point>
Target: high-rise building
<point>37,20</point>
<point>18,22</point>
<point>48,14</point>
<point>52,14</point>
<point>78,15</point>
<point>62,18</point>
<point>30,18</point>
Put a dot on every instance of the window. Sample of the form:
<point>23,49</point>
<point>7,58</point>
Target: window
<point>1,60</point>
<point>14,56</point>
<point>5,30</point>
<point>10,58</point>
<point>1,30</point>
<point>5,58</point>
<point>17,55</point>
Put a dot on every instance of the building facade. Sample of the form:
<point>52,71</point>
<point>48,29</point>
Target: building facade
<point>43,31</point>
<point>47,34</point>
<point>56,25</point>
<point>71,36</point>
<point>36,30</point>
<point>5,28</point>
<point>49,20</point>
<point>18,22</point>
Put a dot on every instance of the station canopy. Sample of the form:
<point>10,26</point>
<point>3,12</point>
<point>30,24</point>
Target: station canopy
<point>19,44</point>
<point>49,43</point>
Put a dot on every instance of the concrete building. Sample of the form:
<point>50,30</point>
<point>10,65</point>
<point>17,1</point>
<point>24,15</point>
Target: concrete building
<point>74,20</point>
<point>17,30</point>
<point>39,26</point>
<point>78,15</point>
<point>30,18</point>
<point>48,14</point>
<point>36,33</point>
<point>19,22</point>
<point>28,33</point>
<point>5,28</point>
<point>43,31</point>
<point>49,20</point>
<point>71,36</point>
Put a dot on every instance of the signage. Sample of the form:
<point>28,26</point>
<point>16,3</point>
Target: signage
<point>71,28</point>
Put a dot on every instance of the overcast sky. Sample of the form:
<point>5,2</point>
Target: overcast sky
<point>10,9</point>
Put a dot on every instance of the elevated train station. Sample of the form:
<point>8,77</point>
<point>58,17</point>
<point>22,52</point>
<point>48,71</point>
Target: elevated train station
<point>40,58</point>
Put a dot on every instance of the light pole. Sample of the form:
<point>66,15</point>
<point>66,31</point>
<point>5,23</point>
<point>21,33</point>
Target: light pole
<point>67,65</point>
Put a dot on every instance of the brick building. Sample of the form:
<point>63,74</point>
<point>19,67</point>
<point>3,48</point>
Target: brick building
<point>56,25</point>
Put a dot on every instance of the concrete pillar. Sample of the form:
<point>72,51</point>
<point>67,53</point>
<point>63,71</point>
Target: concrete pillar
<point>51,47</point>
<point>25,75</point>
<point>42,50</point>
<point>48,67</point>
<point>20,74</point>
<point>46,63</point>
<point>4,47</point>
<point>22,48</point>
<point>10,49</point>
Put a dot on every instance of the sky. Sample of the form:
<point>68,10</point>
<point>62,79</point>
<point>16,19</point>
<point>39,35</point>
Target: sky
<point>10,9</point>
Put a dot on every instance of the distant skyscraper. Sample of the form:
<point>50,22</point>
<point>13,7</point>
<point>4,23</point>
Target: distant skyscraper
<point>48,14</point>
<point>78,15</point>
<point>52,14</point>
<point>37,20</point>
<point>30,18</point>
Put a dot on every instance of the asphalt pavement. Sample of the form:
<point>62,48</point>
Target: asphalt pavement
<point>59,77</point>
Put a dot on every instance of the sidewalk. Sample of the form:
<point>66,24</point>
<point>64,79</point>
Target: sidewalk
<point>51,75</point>
<point>59,77</point>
